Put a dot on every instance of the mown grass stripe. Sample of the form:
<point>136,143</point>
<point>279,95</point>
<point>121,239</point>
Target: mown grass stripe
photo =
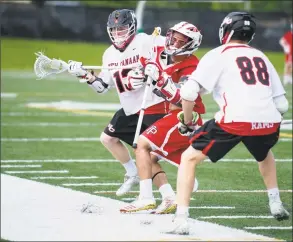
<point>236,217</point>
<point>41,172</point>
<point>113,160</point>
<point>268,228</point>
<point>20,166</point>
<point>62,177</point>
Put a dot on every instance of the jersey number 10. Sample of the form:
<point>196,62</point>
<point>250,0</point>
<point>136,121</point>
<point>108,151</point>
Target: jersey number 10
<point>246,70</point>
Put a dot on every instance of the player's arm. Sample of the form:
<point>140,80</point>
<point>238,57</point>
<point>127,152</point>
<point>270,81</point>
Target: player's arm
<point>202,80</point>
<point>279,93</point>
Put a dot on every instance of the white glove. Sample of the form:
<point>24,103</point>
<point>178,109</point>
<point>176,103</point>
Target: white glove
<point>75,69</point>
<point>135,79</point>
<point>153,71</point>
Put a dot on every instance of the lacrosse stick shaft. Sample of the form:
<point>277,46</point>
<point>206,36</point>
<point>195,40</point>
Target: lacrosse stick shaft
<point>141,114</point>
<point>157,32</point>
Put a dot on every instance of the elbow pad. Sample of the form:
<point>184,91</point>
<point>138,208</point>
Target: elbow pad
<point>281,104</point>
<point>189,90</point>
<point>99,85</point>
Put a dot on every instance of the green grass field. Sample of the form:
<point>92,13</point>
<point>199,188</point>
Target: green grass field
<point>20,122</point>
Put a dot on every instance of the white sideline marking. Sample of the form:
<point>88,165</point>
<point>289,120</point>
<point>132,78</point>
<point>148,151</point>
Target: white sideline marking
<point>20,166</point>
<point>44,172</point>
<point>50,139</point>
<point>212,207</point>
<point>90,184</point>
<point>79,139</point>
<point>62,177</point>
<point>43,114</point>
<point>44,212</point>
<point>200,191</point>
<point>234,217</point>
<point>268,228</point>
<point>74,105</point>
<point>45,124</point>
<point>113,160</point>
<point>8,95</point>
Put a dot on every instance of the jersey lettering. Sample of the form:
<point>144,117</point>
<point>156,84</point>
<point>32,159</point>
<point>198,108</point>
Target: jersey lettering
<point>246,70</point>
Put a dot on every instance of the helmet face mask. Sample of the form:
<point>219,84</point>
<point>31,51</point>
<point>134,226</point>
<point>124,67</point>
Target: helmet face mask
<point>238,26</point>
<point>182,39</point>
<point>121,28</point>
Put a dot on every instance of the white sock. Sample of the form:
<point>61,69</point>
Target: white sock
<point>146,188</point>
<point>130,168</point>
<point>274,194</point>
<point>166,191</point>
<point>182,210</point>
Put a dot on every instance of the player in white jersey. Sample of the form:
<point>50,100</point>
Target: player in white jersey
<point>252,101</point>
<point>126,50</point>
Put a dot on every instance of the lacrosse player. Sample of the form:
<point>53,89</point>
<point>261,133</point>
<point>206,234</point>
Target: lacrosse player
<point>126,50</point>
<point>173,63</point>
<point>286,43</point>
<point>252,100</point>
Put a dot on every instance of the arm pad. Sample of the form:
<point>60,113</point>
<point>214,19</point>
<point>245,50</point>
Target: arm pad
<point>281,104</point>
<point>98,85</point>
<point>189,91</point>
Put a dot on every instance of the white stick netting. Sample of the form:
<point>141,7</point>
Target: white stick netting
<point>44,66</point>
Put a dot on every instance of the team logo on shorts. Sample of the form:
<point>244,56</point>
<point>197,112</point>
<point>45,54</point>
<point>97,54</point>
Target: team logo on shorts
<point>110,128</point>
<point>152,130</point>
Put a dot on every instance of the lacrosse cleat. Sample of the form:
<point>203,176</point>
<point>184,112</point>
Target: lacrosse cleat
<point>167,206</point>
<point>179,225</point>
<point>129,182</point>
<point>278,210</point>
<point>140,204</point>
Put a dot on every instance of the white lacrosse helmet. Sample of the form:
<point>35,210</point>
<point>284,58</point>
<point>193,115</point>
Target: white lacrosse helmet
<point>193,41</point>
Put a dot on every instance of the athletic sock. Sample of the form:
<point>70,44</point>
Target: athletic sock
<point>166,191</point>
<point>146,188</point>
<point>130,168</point>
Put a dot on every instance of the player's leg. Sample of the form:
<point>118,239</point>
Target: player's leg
<point>121,128</point>
<point>211,141</point>
<point>160,180</point>
<point>260,148</point>
<point>152,136</point>
<point>146,200</point>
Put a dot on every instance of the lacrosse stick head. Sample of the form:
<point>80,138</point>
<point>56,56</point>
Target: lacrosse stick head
<point>44,66</point>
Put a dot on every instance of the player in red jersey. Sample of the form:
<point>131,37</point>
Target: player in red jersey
<point>170,69</point>
<point>286,43</point>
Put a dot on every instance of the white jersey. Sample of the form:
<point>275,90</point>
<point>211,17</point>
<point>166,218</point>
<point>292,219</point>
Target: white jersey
<point>243,81</point>
<point>141,46</point>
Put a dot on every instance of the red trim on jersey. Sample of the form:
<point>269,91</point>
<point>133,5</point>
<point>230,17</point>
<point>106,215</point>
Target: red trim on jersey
<point>196,136</point>
<point>208,147</point>
<point>224,108</point>
<point>250,129</point>
<point>159,108</point>
<point>235,46</point>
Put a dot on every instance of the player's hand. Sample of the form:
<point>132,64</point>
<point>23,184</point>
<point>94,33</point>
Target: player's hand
<point>135,79</point>
<point>185,129</point>
<point>75,69</point>
<point>153,71</point>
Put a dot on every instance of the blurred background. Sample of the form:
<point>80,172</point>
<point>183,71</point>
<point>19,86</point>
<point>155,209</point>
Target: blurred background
<point>86,20</point>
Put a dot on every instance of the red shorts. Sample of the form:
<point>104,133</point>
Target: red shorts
<point>165,139</point>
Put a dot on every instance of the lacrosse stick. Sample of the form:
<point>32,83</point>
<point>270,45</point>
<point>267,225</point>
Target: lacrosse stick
<point>156,32</point>
<point>44,66</point>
